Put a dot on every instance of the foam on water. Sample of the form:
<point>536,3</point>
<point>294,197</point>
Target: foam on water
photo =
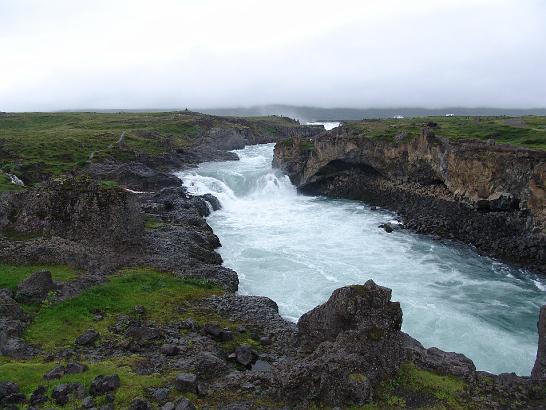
<point>297,249</point>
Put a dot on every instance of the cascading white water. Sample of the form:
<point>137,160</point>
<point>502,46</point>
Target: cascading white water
<point>297,249</point>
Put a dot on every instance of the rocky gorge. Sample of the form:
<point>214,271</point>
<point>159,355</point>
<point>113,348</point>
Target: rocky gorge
<point>489,195</point>
<point>187,339</point>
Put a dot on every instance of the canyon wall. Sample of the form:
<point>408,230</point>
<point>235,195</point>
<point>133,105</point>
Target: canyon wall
<point>488,195</point>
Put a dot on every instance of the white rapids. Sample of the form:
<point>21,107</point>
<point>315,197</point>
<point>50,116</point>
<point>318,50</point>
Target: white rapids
<point>297,249</point>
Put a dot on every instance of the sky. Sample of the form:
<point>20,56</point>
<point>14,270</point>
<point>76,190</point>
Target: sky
<point>72,54</point>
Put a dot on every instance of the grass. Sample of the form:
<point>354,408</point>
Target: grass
<point>527,131</point>
<point>29,375</point>
<point>12,275</point>
<point>57,326</point>
<point>417,388</point>
<point>108,184</point>
<point>35,146</point>
<point>153,222</point>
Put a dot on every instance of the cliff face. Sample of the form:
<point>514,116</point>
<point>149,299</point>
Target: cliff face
<point>492,196</point>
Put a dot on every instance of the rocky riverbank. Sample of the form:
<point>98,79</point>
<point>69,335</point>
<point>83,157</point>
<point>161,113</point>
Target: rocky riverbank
<point>149,318</point>
<point>488,195</point>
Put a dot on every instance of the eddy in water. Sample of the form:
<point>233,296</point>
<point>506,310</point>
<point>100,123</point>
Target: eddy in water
<point>297,249</point>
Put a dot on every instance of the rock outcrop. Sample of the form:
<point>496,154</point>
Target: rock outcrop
<point>539,369</point>
<point>434,183</point>
<point>76,209</point>
<point>349,344</point>
<point>35,288</point>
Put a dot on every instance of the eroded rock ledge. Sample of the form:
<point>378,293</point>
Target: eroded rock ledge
<point>491,196</point>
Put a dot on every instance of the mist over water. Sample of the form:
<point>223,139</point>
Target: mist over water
<point>297,249</point>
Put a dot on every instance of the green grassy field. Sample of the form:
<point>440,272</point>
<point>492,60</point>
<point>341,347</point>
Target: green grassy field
<point>39,145</point>
<point>12,275</point>
<point>55,143</point>
<point>528,131</point>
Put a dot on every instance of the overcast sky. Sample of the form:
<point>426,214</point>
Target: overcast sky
<point>69,54</point>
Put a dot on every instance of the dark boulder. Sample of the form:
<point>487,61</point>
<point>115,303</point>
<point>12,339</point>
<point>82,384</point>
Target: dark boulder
<point>87,338</point>
<point>180,404</point>
<point>366,308</point>
<point>142,333</point>
<point>75,368</point>
<point>159,394</point>
<point>55,373</point>
<point>208,365</point>
<point>243,355</point>
<point>35,288</point>
<point>7,389</point>
<point>213,201</point>
<point>184,404</point>
<point>104,384</point>
<point>261,366</point>
<point>38,396</point>
<point>213,330</point>
<point>348,345</point>
<point>186,383</point>
<point>88,402</point>
<point>9,308</point>
<point>140,404</point>
<point>539,369</point>
<point>387,227</point>
<point>169,349</point>
<point>11,333</point>
<point>60,394</point>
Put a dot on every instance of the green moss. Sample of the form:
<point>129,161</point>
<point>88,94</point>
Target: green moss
<point>160,293</point>
<point>108,184</point>
<point>375,334</point>
<point>358,377</point>
<point>29,375</point>
<point>418,388</point>
<point>445,388</point>
<point>153,222</point>
<point>12,275</point>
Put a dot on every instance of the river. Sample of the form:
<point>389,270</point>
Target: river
<point>297,249</point>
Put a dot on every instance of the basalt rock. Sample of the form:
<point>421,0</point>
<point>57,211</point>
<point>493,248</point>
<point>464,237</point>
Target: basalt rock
<point>364,308</point>
<point>75,209</point>
<point>104,384</point>
<point>348,345</point>
<point>539,369</point>
<point>434,184</point>
<point>87,338</point>
<point>134,175</point>
<point>9,308</point>
<point>35,288</point>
